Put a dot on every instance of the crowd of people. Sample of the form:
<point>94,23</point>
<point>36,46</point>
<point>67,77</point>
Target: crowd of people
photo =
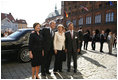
<point>44,43</point>
<point>6,33</point>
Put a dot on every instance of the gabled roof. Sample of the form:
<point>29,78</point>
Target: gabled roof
<point>21,21</point>
<point>9,16</point>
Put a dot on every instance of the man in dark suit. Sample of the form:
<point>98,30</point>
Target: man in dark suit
<point>86,37</point>
<point>48,36</point>
<point>80,39</point>
<point>102,39</point>
<point>71,46</point>
<point>93,40</point>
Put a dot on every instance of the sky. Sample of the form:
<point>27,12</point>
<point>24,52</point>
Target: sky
<point>30,10</point>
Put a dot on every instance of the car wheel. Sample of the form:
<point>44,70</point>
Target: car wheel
<point>24,55</point>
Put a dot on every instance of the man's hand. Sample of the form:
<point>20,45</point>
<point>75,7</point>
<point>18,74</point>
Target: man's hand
<point>78,50</point>
<point>55,51</point>
<point>79,41</point>
<point>30,54</point>
<point>42,52</point>
<point>32,31</point>
<point>66,50</point>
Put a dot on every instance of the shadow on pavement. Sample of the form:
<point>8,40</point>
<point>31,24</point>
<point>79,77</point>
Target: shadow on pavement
<point>94,51</point>
<point>93,61</point>
<point>82,52</point>
<point>69,75</point>
<point>113,55</point>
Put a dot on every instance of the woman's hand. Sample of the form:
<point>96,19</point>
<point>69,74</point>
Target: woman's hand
<point>30,55</point>
<point>55,51</point>
<point>65,50</point>
<point>42,52</point>
<point>32,31</point>
<point>78,50</point>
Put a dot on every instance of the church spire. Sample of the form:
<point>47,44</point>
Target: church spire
<point>55,6</point>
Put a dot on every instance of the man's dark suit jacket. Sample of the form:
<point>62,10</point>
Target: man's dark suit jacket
<point>86,37</point>
<point>102,38</point>
<point>94,38</point>
<point>80,36</point>
<point>71,44</point>
<point>47,39</point>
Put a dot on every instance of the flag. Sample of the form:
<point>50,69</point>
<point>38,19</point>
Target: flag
<point>86,8</point>
<point>82,7</point>
<point>111,4</point>
<point>66,14</point>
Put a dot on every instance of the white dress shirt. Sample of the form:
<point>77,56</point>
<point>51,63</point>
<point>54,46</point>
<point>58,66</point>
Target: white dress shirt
<point>71,32</point>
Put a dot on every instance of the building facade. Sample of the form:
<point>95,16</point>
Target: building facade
<point>8,22</point>
<point>21,23</point>
<point>91,15</point>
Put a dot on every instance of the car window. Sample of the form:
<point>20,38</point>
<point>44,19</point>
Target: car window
<point>16,34</point>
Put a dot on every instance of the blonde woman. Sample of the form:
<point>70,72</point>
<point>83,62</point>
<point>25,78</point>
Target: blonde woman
<point>59,47</point>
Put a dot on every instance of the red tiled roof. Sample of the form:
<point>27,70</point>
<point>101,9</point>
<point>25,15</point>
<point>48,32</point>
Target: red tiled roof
<point>9,16</point>
<point>21,21</point>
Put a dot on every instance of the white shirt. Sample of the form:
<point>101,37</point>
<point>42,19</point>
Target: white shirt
<point>51,31</point>
<point>71,32</point>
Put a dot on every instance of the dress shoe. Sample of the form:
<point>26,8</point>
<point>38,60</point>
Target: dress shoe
<point>68,70</point>
<point>102,51</point>
<point>48,72</point>
<point>60,70</point>
<point>37,77</point>
<point>75,71</point>
<point>43,74</point>
<point>109,53</point>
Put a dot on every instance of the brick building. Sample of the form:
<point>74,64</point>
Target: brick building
<point>91,15</point>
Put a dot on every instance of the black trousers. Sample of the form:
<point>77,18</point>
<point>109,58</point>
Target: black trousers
<point>114,44</point>
<point>85,44</point>
<point>93,45</point>
<point>58,61</point>
<point>101,46</point>
<point>74,56</point>
<point>80,45</point>
<point>46,60</point>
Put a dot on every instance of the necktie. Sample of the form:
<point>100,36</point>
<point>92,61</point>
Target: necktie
<point>71,34</point>
<point>51,33</point>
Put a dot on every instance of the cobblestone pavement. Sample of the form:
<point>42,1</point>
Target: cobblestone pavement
<point>91,65</point>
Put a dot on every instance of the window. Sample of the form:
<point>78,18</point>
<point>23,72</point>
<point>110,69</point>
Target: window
<point>75,6</point>
<point>67,22</point>
<point>110,17</point>
<point>100,5</point>
<point>98,18</point>
<point>88,20</point>
<point>74,23</point>
<point>69,8</point>
<point>80,21</point>
<point>68,3</point>
<point>91,2</point>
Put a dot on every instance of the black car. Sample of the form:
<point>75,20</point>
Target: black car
<point>16,44</point>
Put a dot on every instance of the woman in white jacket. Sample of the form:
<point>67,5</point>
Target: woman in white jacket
<point>59,47</point>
